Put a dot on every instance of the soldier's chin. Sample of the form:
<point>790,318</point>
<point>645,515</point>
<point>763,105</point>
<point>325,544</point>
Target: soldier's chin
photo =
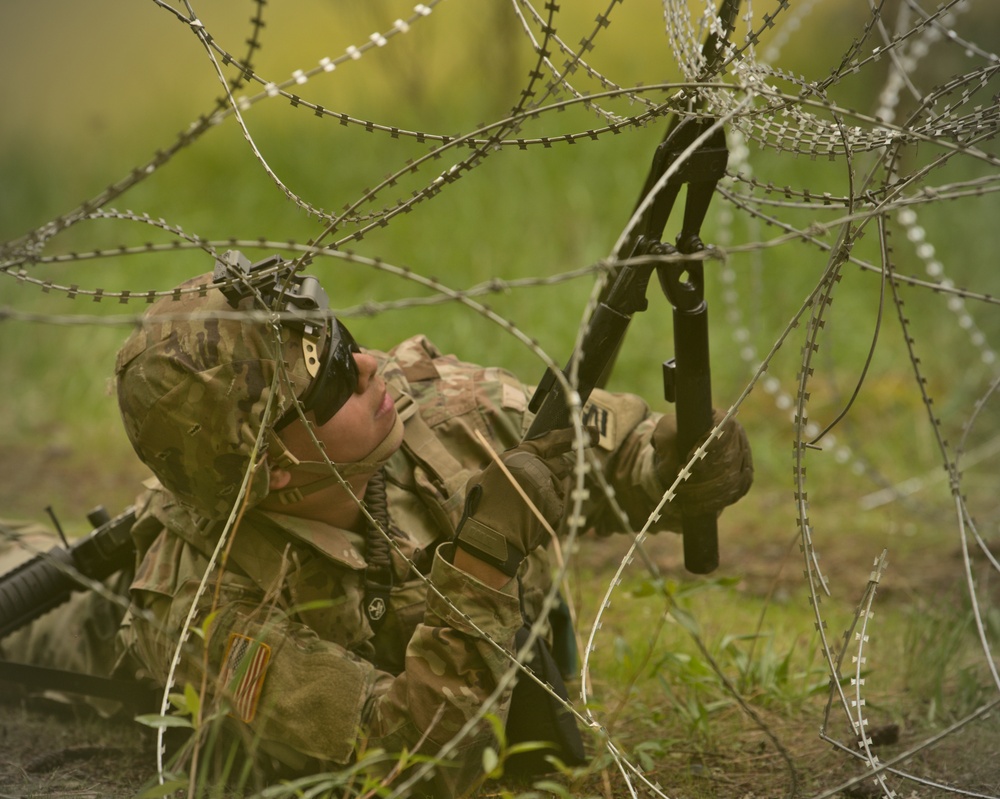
<point>379,456</point>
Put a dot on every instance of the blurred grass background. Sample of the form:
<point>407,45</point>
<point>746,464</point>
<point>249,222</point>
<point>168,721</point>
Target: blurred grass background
<point>94,90</point>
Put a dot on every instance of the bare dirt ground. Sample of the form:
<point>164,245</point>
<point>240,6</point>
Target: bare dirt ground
<point>46,754</point>
<point>50,751</point>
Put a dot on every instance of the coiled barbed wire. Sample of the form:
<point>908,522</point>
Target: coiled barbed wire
<point>888,182</point>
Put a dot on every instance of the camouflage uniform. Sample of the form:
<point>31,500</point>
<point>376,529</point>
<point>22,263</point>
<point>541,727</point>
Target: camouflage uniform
<point>293,590</point>
<point>282,635</point>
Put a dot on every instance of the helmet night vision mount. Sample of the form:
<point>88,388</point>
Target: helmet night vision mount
<point>334,373</point>
<point>273,281</point>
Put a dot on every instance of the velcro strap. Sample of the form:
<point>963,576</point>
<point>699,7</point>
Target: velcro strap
<point>483,542</point>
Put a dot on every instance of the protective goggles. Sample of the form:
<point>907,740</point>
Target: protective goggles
<point>334,382</point>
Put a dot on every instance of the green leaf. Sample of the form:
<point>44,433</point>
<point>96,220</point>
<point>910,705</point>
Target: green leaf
<point>192,700</point>
<point>527,746</point>
<point>649,587</point>
<point>499,729</point>
<point>179,703</point>
<point>685,620</point>
<point>490,760</point>
<point>163,790</point>
<point>157,721</point>
<point>553,787</point>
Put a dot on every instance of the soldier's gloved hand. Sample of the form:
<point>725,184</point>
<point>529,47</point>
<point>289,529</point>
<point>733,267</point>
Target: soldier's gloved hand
<point>498,526</point>
<point>719,479</point>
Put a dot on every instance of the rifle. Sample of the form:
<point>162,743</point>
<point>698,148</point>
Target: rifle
<point>49,579</point>
<point>687,376</point>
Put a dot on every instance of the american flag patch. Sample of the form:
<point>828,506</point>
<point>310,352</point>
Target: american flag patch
<point>243,674</point>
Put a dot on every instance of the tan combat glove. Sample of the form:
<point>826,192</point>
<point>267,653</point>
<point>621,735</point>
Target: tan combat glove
<point>498,526</point>
<point>719,479</point>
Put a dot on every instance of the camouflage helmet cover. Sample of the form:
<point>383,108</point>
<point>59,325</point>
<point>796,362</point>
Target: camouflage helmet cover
<point>193,389</point>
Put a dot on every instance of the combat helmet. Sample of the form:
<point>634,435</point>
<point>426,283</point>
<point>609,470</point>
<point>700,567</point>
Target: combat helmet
<point>194,380</point>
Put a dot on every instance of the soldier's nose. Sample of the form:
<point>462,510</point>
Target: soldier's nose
<point>367,366</point>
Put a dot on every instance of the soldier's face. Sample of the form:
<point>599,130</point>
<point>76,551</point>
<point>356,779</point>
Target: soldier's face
<point>357,428</point>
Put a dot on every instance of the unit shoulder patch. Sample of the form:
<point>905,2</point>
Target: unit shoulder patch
<point>601,417</point>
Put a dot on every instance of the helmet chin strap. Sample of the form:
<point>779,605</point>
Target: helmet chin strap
<point>370,464</point>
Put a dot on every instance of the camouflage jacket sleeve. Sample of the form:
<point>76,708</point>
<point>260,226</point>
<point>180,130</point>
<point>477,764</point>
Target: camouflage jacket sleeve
<point>292,671</point>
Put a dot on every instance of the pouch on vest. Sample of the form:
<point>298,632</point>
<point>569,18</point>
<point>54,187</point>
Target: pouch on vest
<point>535,715</point>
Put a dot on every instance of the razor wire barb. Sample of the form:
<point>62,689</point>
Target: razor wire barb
<point>890,183</point>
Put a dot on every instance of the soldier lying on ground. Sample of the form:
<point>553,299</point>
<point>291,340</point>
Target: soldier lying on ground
<point>321,638</point>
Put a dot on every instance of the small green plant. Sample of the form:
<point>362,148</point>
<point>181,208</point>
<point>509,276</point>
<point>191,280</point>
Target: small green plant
<point>693,690</point>
<point>943,662</point>
<point>772,672</point>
